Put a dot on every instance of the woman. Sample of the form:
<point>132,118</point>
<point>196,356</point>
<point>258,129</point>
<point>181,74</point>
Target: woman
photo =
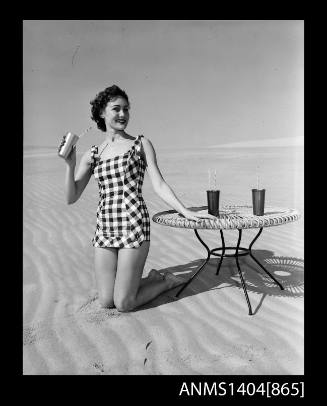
<point>122,236</point>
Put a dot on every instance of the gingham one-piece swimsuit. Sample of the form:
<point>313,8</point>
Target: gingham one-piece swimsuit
<point>122,217</point>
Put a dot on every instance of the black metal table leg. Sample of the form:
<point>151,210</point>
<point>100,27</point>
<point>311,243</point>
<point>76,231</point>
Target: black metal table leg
<point>245,251</point>
<point>201,267</point>
<point>223,253</point>
<point>262,267</point>
<point>240,273</point>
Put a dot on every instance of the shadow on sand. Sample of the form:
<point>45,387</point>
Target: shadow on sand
<point>287,270</point>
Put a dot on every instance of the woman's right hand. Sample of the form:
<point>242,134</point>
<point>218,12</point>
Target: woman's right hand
<point>71,158</point>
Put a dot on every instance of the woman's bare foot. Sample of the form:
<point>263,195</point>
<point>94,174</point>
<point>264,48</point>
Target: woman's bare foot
<point>173,280</point>
<point>155,275</point>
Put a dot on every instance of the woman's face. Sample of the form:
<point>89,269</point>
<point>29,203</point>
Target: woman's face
<point>116,114</point>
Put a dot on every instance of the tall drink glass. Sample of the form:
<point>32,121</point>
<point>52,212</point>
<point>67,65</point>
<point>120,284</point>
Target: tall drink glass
<point>258,201</point>
<point>213,202</point>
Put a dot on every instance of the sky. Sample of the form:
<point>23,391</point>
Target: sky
<point>191,83</point>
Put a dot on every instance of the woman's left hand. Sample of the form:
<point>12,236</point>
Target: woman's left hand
<point>193,215</point>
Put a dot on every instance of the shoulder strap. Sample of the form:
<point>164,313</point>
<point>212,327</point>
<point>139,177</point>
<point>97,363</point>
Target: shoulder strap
<point>138,144</point>
<point>94,152</point>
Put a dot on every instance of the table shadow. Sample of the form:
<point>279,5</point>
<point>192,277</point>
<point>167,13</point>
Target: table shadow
<point>287,270</point>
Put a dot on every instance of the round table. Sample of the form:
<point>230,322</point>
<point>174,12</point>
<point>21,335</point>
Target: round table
<point>230,218</point>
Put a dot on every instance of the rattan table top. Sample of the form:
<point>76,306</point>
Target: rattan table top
<point>230,217</point>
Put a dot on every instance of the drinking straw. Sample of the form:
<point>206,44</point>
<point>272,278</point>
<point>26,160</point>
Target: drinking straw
<point>257,177</point>
<point>209,179</point>
<point>85,131</point>
<point>215,177</point>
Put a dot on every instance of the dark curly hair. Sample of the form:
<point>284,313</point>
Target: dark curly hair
<point>99,103</point>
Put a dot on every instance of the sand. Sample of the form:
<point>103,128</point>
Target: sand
<point>205,331</point>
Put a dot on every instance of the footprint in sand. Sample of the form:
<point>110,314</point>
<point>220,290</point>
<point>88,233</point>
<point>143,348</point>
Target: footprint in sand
<point>37,332</point>
<point>29,335</point>
<point>98,366</point>
<point>146,347</point>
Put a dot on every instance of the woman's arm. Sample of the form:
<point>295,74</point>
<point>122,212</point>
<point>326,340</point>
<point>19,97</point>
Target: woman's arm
<point>160,186</point>
<point>75,185</point>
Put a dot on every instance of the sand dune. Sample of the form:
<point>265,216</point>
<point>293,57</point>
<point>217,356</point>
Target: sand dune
<point>206,331</point>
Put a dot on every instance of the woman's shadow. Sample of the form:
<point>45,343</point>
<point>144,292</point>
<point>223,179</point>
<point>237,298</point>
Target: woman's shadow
<point>287,270</point>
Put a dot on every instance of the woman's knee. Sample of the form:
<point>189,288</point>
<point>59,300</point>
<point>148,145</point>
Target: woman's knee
<point>124,303</point>
<point>106,302</point>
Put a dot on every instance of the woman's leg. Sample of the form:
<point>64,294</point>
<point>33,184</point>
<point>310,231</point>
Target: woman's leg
<point>105,260</point>
<point>129,293</point>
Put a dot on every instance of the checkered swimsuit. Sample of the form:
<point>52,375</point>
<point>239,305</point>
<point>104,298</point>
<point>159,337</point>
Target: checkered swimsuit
<point>122,217</point>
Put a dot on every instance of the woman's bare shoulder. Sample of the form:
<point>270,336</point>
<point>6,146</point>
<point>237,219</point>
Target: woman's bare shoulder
<point>146,142</point>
